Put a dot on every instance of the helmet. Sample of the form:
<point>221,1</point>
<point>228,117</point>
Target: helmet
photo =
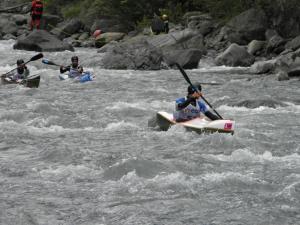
<point>191,89</point>
<point>74,58</point>
<point>20,61</point>
<point>164,16</point>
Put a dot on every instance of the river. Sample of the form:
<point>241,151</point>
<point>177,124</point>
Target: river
<point>83,154</point>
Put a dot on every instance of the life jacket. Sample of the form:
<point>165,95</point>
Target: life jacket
<point>189,112</point>
<point>37,8</point>
<point>20,75</point>
<point>74,72</point>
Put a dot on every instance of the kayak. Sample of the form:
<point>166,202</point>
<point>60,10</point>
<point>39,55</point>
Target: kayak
<point>86,76</point>
<point>32,81</point>
<point>200,124</point>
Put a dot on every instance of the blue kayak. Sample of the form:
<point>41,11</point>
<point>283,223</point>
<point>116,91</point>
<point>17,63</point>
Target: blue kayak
<point>85,77</point>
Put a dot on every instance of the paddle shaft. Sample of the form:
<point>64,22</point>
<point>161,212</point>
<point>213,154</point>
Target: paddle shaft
<point>189,81</point>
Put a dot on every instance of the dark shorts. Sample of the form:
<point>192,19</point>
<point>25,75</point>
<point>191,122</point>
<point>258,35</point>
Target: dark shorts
<point>36,17</point>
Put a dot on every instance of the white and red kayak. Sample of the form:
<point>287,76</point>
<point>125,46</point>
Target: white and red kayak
<point>199,124</point>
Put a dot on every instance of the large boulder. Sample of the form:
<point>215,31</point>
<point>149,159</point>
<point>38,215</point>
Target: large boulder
<point>109,25</point>
<point>41,41</point>
<point>105,38</point>
<point>66,29</point>
<point>8,25</point>
<point>19,19</point>
<point>50,21</point>
<point>135,54</point>
<point>256,47</point>
<point>186,58</point>
<point>275,43</point>
<point>263,67</point>
<point>203,23</point>
<point>175,39</point>
<point>235,55</point>
<point>184,47</point>
<point>294,44</point>
<point>246,27</point>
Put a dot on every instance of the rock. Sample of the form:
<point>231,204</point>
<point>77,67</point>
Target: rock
<point>135,54</point>
<point>9,28</point>
<point>50,21</point>
<point>203,23</point>
<point>235,55</point>
<point>270,33</point>
<point>67,28</point>
<point>157,25</point>
<point>109,25</point>
<point>255,47</point>
<point>188,59</point>
<point>75,36</point>
<point>249,25</point>
<point>88,44</point>
<point>294,72</point>
<point>263,67</point>
<point>41,41</point>
<point>282,76</point>
<point>84,36</point>
<point>19,19</point>
<point>276,44</point>
<point>9,36</point>
<point>105,38</point>
<point>107,47</point>
<point>177,40</point>
<point>293,44</point>
<point>188,43</point>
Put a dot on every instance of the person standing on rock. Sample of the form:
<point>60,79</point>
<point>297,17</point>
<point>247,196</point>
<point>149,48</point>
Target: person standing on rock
<point>36,14</point>
<point>166,23</point>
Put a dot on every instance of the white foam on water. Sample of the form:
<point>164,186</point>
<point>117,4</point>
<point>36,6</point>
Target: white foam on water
<point>121,125</point>
<point>40,128</point>
<point>245,155</point>
<point>6,45</point>
<point>69,172</point>
<point>125,105</point>
<point>290,192</point>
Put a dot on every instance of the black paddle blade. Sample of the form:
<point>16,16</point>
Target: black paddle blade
<point>36,57</point>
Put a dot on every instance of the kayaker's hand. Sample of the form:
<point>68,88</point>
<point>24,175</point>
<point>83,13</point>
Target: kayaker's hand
<point>62,67</point>
<point>80,69</point>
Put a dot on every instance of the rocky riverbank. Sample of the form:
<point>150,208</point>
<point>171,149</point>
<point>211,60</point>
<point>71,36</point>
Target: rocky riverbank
<point>251,39</point>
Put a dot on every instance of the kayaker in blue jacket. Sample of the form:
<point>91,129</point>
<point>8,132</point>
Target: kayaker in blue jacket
<point>192,106</point>
<point>76,71</point>
<point>20,73</point>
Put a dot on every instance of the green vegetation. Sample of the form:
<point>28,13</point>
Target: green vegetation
<point>141,11</point>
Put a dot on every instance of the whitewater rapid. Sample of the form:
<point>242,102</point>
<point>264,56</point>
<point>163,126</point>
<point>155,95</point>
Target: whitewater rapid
<point>74,153</point>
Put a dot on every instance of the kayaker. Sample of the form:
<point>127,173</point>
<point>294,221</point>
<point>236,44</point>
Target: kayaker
<point>192,106</point>
<point>20,73</point>
<point>75,70</point>
<point>36,14</point>
<point>166,23</point>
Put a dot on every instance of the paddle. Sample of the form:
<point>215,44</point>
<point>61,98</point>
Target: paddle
<point>189,81</point>
<point>34,58</point>
<point>48,62</point>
